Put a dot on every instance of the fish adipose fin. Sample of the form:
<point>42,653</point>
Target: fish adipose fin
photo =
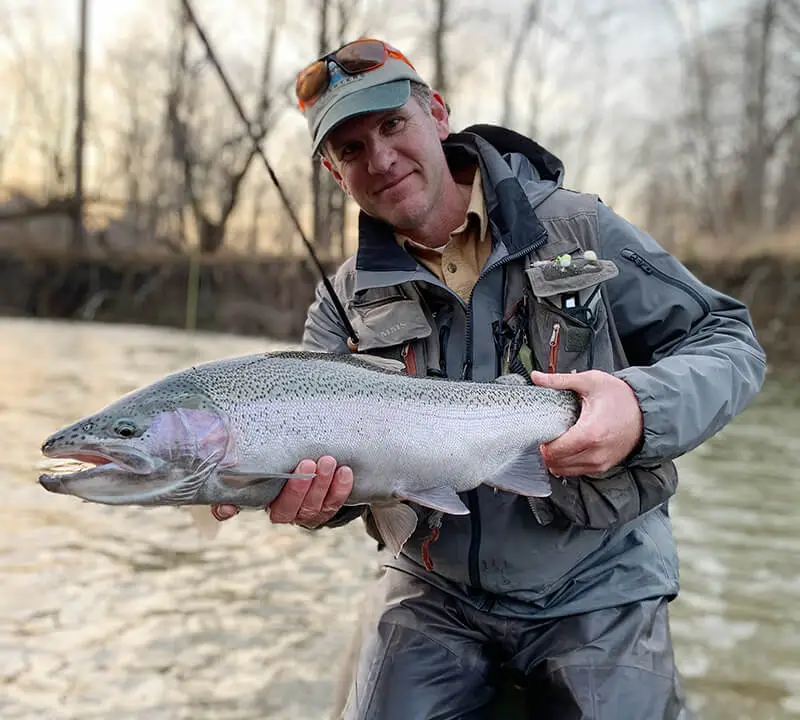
<point>241,478</point>
<point>396,523</point>
<point>524,475</point>
<point>441,498</point>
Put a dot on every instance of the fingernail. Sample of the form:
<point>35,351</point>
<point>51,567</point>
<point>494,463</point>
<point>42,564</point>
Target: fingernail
<point>226,514</point>
<point>326,465</point>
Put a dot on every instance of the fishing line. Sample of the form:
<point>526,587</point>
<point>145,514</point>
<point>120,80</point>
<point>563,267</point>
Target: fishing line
<point>352,339</point>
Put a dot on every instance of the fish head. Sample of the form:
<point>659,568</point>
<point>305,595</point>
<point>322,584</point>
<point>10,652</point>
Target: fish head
<point>155,446</point>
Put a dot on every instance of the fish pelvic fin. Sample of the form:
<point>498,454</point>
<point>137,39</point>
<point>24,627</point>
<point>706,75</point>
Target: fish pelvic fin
<point>525,475</point>
<point>396,523</point>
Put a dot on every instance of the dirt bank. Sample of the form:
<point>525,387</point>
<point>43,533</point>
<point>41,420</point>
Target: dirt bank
<point>269,296</point>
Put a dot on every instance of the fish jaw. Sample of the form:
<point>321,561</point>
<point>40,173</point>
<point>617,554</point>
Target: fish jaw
<point>127,457</point>
<point>110,484</point>
<point>168,466</point>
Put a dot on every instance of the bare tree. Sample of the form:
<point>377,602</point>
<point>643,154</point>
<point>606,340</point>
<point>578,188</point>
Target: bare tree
<point>760,33</point>
<point>44,101</point>
<point>526,24</point>
<point>214,155</point>
<point>787,206</point>
<point>336,19</point>
<point>438,42</point>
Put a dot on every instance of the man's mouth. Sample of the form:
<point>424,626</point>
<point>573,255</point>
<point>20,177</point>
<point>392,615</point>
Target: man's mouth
<point>390,185</point>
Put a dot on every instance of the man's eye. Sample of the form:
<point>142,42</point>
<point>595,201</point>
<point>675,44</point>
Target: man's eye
<point>393,124</point>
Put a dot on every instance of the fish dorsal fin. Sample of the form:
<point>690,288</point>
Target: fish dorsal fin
<point>440,498</point>
<point>382,363</point>
<point>525,475</point>
<point>396,523</point>
<point>512,379</point>
<point>207,527</point>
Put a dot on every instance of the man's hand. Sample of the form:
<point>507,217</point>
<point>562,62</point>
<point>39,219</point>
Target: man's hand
<point>308,503</point>
<point>610,425</point>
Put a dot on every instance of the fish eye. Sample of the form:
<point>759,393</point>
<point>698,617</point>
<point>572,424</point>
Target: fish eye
<point>125,428</point>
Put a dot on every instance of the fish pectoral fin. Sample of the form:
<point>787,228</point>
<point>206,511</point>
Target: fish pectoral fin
<point>240,478</point>
<point>524,475</point>
<point>203,520</point>
<point>396,523</point>
<point>442,498</point>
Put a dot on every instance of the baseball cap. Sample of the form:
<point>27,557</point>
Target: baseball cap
<point>349,95</point>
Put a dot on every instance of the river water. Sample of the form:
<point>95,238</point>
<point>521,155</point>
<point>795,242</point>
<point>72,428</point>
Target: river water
<point>127,613</point>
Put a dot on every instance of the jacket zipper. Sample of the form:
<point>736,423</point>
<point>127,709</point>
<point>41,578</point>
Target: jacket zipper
<point>650,269</point>
<point>466,374</point>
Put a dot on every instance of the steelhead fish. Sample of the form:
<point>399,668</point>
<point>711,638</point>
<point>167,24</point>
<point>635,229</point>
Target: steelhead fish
<point>232,431</point>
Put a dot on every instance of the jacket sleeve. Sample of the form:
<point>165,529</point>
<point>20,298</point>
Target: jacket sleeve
<point>695,361</point>
<point>324,331</point>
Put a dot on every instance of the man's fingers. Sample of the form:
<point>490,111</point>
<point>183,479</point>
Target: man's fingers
<point>315,497</point>
<point>339,491</point>
<point>582,382</point>
<point>573,442</point>
<point>284,508</point>
<point>224,512</point>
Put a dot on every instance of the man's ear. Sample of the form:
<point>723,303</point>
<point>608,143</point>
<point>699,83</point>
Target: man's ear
<point>328,165</point>
<point>441,115</point>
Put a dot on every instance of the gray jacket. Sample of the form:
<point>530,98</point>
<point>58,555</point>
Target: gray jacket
<point>688,352</point>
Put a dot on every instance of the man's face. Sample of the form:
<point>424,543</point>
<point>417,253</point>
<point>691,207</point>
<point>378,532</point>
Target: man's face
<point>392,163</point>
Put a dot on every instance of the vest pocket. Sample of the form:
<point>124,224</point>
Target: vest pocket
<point>564,341</point>
<point>387,317</point>
<point>569,323</point>
<point>619,496</point>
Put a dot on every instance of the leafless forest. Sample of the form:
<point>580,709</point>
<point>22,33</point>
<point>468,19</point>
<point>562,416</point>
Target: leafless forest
<point>683,114</point>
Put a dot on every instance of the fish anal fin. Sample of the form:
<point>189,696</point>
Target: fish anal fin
<point>524,475</point>
<point>396,523</point>
<point>442,498</point>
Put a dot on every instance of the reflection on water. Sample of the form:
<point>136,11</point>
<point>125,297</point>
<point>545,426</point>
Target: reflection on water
<point>126,613</point>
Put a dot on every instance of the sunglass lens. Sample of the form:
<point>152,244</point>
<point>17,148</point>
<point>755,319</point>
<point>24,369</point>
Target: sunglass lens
<point>361,56</point>
<point>312,82</point>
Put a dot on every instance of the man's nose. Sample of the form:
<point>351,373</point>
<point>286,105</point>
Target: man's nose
<point>381,158</point>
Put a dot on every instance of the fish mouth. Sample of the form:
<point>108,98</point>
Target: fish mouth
<point>120,476</point>
<point>128,458</point>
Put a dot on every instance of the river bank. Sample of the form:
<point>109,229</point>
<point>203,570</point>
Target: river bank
<point>268,296</point>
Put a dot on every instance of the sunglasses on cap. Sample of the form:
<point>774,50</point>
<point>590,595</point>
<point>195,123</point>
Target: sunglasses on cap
<point>359,56</point>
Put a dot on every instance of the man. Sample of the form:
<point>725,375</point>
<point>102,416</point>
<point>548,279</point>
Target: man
<point>473,262</point>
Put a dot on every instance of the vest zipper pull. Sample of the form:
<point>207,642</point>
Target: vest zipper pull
<point>409,359</point>
<point>555,343</point>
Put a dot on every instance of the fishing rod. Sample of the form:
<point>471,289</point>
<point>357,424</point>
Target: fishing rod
<point>352,339</point>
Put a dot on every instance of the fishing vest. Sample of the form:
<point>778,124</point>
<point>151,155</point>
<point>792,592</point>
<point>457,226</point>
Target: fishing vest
<point>557,318</point>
